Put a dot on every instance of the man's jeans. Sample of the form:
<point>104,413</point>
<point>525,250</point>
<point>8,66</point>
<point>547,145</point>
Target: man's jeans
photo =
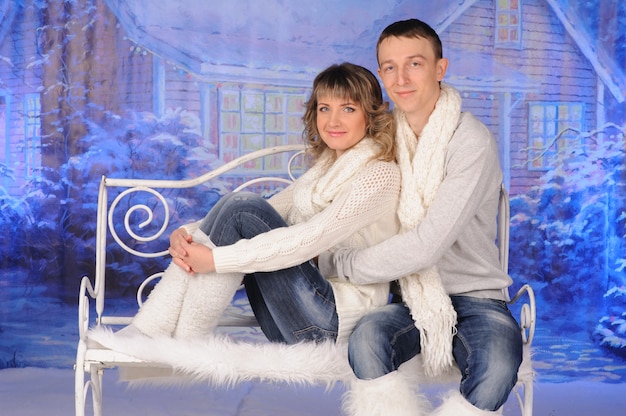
<point>291,305</point>
<point>487,347</point>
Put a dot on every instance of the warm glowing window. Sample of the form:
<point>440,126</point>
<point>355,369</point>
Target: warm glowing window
<point>508,33</point>
<point>552,128</point>
<point>252,119</point>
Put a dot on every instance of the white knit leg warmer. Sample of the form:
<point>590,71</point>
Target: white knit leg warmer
<point>158,315</point>
<point>391,394</point>
<point>207,296</point>
<point>454,404</point>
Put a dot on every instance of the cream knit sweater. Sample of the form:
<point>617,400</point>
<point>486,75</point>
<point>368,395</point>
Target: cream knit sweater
<point>362,213</point>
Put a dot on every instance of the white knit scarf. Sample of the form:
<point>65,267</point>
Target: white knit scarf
<point>421,162</point>
<point>318,186</point>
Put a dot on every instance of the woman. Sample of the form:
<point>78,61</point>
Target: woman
<point>347,198</point>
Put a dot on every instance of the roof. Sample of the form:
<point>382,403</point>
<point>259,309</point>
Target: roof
<point>591,46</point>
<point>220,42</point>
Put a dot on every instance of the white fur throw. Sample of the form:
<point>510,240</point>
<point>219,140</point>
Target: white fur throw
<point>221,360</point>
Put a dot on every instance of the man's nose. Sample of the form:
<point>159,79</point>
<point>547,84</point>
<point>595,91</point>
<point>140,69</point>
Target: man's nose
<point>402,76</point>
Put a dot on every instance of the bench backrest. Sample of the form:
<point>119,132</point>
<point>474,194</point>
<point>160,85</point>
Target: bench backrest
<point>110,213</point>
<point>107,211</point>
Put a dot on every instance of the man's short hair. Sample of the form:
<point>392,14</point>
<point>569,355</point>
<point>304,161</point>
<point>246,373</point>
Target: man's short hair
<point>412,28</point>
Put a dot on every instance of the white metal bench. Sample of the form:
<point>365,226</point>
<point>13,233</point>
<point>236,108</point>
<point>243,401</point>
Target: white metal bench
<point>92,360</point>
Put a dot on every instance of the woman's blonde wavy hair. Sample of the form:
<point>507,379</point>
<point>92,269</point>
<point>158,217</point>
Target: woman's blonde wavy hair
<point>358,84</point>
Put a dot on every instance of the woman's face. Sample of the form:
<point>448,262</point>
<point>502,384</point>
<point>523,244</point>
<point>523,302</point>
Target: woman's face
<point>341,123</point>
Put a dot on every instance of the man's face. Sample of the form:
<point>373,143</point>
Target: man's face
<point>410,73</point>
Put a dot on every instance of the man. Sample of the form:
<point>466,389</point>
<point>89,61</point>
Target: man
<point>445,260</point>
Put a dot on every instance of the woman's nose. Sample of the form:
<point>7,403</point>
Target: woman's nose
<point>334,119</point>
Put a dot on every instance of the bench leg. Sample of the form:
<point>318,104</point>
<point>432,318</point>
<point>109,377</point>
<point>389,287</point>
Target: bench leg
<point>79,391</point>
<point>527,410</point>
<point>79,380</point>
<point>96,390</point>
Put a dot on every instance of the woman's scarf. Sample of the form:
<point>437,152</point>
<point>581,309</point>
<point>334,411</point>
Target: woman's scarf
<point>319,186</point>
<point>421,162</point>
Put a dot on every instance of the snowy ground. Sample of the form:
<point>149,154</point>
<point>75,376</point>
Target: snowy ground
<point>49,392</point>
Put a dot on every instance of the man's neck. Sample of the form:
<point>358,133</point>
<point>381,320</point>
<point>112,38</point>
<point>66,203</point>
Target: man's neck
<point>418,119</point>
<point>417,122</point>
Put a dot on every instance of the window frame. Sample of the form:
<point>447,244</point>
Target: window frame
<point>560,123</point>
<point>253,118</point>
<point>511,11</point>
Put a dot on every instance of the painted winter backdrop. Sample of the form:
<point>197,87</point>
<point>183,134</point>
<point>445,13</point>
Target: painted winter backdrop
<point>172,89</point>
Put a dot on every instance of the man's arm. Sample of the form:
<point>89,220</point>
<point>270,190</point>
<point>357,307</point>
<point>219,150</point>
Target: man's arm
<point>472,173</point>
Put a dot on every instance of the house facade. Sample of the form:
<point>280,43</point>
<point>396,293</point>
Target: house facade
<point>544,82</point>
<point>527,68</point>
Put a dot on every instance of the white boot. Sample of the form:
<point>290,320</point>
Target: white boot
<point>207,296</point>
<point>158,315</point>
<point>454,404</point>
<point>391,394</point>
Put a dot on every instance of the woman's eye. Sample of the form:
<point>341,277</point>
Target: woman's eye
<point>322,109</point>
<point>349,109</point>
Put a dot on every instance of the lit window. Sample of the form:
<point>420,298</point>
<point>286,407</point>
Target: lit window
<point>552,128</point>
<point>508,33</point>
<point>253,119</point>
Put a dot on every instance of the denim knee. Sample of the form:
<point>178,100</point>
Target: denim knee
<point>240,215</point>
<point>381,341</point>
<point>488,350</point>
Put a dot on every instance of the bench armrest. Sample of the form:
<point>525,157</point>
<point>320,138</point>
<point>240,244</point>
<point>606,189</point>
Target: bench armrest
<point>528,313</point>
<point>86,291</point>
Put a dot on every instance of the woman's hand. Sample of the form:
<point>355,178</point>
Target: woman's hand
<point>199,259</point>
<point>179,243</point>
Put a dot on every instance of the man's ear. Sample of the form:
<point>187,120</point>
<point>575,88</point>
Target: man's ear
<point>442,67</point>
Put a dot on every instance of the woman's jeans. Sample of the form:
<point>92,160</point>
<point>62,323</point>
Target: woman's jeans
<point>291,305</point>
<point>487,347</point>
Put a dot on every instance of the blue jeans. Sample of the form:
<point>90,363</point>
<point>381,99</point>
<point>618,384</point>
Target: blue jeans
<point>487,347</point>
<point>291,305</point>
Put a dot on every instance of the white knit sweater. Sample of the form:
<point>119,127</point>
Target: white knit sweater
<point>457,233</point>
<point>361,214</point>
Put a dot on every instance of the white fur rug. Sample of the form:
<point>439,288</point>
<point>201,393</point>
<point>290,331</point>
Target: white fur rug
<point>221,360</point>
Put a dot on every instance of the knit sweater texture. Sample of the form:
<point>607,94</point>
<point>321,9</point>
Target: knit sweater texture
<point>457,233</point>
<point>362,213</point>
